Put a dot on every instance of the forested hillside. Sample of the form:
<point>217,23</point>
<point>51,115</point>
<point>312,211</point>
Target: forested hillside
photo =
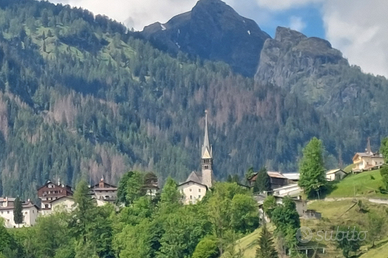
<point>83,97</point>
<point>353,102</point>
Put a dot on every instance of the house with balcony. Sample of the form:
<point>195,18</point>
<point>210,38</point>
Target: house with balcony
<point>50,192</point>
<point>104,193</point>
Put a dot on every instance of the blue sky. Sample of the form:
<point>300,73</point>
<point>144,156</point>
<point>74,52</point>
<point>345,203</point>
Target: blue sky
<point>306,18</point>
<point>309,16</point>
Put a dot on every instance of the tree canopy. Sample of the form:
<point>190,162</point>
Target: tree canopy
<point>312,171</point>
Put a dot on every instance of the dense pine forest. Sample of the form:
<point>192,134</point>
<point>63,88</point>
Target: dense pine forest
<point>83,97</point>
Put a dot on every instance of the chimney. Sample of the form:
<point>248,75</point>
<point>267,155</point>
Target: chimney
<point>101,184</point>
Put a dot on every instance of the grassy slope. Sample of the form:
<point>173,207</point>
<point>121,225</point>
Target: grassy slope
<point>380,252</point>
<point>340,212</point>
<point>362,185</point>
<point>349,168</point>
<point>248,244</point>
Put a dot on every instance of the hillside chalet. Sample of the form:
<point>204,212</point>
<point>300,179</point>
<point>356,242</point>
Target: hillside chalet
<point>277,179</point>
<point>367,160</point>
<point>50,192</point>
<point>104,192</point>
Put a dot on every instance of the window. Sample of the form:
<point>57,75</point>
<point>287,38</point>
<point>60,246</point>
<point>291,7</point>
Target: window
<point>191,197</point>
<point>206,167</point>
<point>199,196</point>
<point>199,190</point>
<point>190,189</point>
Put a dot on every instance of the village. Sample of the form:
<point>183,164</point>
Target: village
<point>59,197</point>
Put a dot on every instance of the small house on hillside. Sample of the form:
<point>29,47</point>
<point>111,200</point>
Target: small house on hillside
<point>104,192</point>
<point>335,174</point>
<point>277,179</point>
<point>367,160</point>
<point>29,211</point>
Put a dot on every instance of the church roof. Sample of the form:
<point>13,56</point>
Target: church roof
<point>194,177</point>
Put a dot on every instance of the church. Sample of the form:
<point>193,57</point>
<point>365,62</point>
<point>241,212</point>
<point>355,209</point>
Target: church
<point>198,183</point>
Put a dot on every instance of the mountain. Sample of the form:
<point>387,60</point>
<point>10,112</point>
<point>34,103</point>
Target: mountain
<point>213,31</point>
<point>82,97</point>
<point>352,101</point>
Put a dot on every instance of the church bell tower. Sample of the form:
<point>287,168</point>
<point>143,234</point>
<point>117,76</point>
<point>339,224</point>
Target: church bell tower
<point>207,159</point>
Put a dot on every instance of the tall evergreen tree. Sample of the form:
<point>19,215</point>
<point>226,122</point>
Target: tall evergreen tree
<point>84,209</point>
<point>384,176</point>
<point>263,181</point>
<point>384,148</point>
<point>17,211</point>
<point>311,169</point>
<point>266,248</point>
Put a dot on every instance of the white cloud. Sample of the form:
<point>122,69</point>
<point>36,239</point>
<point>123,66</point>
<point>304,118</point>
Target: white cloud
<point>359,31</point>
<point>297,23</point>
<point>137,13</point>
<point>281,5</point>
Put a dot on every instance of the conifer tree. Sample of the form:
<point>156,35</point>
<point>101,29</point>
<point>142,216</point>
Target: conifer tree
<point>17,211</point>
<point>311,169</point>
<point>84,209</point>
<point>266,247</point>
<point>263,181</point>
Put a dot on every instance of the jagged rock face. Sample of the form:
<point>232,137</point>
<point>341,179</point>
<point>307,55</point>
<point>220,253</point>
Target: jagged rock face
<point>292,53</point>
<point>301,65</point>
<point>214,31</point>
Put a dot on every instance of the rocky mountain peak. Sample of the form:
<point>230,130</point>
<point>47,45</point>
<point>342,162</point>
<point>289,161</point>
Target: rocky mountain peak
<point>212,30</point>
<point>287,35</point>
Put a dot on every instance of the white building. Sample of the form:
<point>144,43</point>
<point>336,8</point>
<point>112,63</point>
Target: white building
<point>335,174</point>
<point>197,184</point>
<point>367,160</point>
<point>65,203</point>
<point>104,193</point>
<point>192,190</point>
<point>29,211</point>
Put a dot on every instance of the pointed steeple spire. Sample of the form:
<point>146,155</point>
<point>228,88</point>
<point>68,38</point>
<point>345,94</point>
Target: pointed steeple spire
<point>368,148</point>
<point>206,148</point>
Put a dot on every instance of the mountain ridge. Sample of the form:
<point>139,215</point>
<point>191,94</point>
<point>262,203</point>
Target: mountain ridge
<point>212,30</point>
<point>83,112</point>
